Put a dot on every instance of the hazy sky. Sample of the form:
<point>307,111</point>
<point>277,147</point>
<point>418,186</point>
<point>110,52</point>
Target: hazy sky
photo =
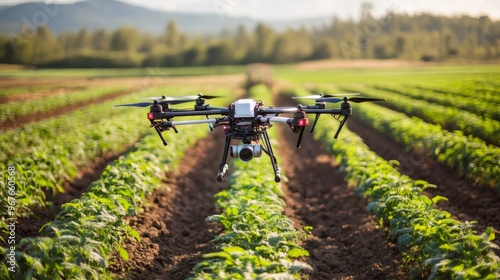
<point>286,9</point>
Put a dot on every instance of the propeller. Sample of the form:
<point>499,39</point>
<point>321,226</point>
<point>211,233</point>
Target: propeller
<point>169,100</point>
<point>146,104</point>
<point>353,99</point>
<point>184,97</point>
<point>321,95</point>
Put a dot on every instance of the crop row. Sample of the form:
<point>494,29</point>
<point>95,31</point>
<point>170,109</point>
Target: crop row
<point>450,117</point>
<point>486,90</point>
<point>469,156</point>
<point>19,141</point>
<point>12,110</point>
<point>473,104</point>
<point>259,242</point>
<point>79,243</point>
<point>47,165</point>
<point>5,93</point>
<point>433,244</point>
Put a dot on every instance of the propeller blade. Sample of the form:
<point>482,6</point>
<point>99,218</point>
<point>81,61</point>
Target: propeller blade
<point>330,99</point>
<point>182,97</point>
<point>341,94</point>
<point>365,99</point>
<point>353,99</point>
<point>316,96</point>
<point>139,104</point>
<point>159,98</point>
<point>321,95</point>
<point>208,96</point>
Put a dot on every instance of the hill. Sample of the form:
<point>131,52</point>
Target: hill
<point>111,14</point>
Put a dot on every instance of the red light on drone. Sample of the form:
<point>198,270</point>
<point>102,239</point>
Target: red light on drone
<point>303,122</point>
<point>151,116</point>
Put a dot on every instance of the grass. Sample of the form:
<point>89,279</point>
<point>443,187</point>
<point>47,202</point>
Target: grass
<point>117,73</point>
<point>400,74</point>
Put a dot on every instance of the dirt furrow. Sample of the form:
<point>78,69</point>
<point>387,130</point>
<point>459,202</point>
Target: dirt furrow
<point>174,233</point>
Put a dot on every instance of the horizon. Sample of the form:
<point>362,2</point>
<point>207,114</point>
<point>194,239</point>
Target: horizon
<point>273,10</point>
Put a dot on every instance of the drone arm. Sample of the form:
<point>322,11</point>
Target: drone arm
<point>174,123</point>
<point>333,111</point>
<point>172,114</point>
<point>264,119</point>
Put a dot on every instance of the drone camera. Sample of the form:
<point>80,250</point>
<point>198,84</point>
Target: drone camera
<point>246,152</point>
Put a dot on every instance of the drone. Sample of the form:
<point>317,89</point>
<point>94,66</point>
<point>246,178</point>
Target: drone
<point>246,120</point>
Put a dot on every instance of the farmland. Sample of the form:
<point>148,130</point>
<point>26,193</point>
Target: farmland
<point>410,189</point>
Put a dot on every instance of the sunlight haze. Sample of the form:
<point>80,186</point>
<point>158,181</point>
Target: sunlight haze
<point>291,9</point>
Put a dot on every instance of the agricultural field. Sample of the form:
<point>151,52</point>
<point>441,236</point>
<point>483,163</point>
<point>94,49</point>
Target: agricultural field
<point>409,190</point>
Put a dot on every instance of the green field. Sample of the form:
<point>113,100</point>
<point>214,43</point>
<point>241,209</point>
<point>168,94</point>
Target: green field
<point>443,119</point>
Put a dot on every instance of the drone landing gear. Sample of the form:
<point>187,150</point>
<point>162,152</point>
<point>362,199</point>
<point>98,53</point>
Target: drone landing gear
<point>274,162</point>
<point>223,167</point>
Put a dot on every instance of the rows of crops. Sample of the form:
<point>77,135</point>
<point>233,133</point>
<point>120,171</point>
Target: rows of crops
<point>82,238</point>
<point>48,153</point>
<point>432,243</point>
<point>258,241</point>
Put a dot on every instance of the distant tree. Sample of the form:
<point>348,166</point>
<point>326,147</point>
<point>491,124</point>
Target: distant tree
<point>125,38</point>
<point>172,37</point>
<point>324,49</point>
<point>44,46</point>
<point>284,48</point>
<point>265,39</point>
<point>65,40</point>
<point>220,53</point>
<point>100,40</point>
<point>83,39</point>
<point>192,56</point>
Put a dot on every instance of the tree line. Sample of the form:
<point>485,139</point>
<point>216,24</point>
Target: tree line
<point>393,36</point>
